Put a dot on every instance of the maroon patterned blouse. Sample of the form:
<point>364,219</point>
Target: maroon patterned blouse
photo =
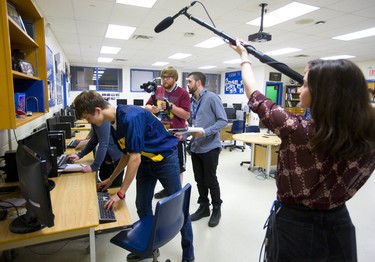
<point>305,177</point>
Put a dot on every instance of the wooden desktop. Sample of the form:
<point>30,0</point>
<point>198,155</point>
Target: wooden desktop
<point>75,206</point>
<point>263,149</point>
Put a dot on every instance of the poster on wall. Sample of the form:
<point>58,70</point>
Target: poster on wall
<point>50,77</point>
<point>59,87</point>
<point>233,83</point>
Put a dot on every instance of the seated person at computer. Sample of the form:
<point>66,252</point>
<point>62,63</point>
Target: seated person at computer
<point>149,155</point>
<point>107,154</point>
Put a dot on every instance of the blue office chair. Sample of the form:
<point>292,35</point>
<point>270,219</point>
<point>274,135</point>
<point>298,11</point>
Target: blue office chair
<point>153,231</point>
<point>250,129</point>
<point>238,127</point>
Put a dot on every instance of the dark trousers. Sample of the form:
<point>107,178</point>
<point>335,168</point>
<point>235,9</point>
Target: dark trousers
<point>303,234</point>
<point>106,169</point>
<point>167,172</point>
<point>204,167</point>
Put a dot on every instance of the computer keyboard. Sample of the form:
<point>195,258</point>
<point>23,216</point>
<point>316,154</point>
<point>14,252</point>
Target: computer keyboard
<point>62,160</point>
<point>73,143</point>
<point>105,216</point>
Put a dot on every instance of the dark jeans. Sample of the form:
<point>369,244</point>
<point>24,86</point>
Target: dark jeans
<point>168,174</point>
<point>204,167</point>
<point>106,170</point>
<point>303,234</point>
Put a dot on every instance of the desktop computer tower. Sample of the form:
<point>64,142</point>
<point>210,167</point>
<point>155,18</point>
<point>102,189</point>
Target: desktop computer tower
<point>57,140</point>
<point>54,167</point>
<point>10,168</point>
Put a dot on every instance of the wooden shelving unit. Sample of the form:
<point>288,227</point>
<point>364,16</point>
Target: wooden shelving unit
<point>12,37</point>
<point>292,99</point>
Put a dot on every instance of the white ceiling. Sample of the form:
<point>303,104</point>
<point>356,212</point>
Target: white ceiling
<point>80,26</point>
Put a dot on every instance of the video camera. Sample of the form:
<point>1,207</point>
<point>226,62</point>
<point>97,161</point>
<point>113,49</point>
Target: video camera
<point>151,86</point>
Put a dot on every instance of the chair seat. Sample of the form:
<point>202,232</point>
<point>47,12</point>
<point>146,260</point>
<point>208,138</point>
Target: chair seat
<point>153,231</point>
<point>130,240</point>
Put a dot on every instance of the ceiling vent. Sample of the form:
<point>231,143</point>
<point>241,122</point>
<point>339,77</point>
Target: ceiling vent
<point>300,56</point>
<point>142,37</point>
<point>121,59</point>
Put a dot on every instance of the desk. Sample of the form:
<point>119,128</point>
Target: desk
<point>123,219</point>
<point>81,121</point>
<point>75,205</point>
<point>224,135</point>
<point>86,127</point>
<point>260,139</point>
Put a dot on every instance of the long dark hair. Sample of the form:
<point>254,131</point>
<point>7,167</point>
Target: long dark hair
<point>340,108</point>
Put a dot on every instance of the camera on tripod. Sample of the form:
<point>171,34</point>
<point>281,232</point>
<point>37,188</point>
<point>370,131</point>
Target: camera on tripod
<point>151,86</point>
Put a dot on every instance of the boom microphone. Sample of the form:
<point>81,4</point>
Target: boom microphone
<point>168,21</point>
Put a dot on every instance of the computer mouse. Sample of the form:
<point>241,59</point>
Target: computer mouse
<point>70,160</point>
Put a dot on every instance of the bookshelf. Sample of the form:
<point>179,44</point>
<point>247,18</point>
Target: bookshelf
<point>292,99</point>
<point>14,36</point>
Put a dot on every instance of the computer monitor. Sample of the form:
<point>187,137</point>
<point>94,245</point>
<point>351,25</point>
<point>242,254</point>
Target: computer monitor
<point>54,124</point>
<point>237,106</point>
<point>121,101</point>
<point>67,119</point>
<point>51,123</point>
<point>68,111</point>
<point>39,143</point>
<point>138,102</point>
<point>231,113</point>
<point>32,172</point>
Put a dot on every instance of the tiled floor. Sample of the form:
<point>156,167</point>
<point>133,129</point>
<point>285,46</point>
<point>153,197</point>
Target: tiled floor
<point>247,201</point>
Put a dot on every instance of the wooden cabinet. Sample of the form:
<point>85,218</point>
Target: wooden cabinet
<point>14,37</point>
<point>292,99</point>
<point>260,155</point>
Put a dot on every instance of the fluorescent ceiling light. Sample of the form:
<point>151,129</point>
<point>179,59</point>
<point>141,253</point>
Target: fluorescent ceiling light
<point>141,3</point>
<point>211,42</point>
<point>110,50</point>
<point>206,67</point>
<point>283,51</point>
<point>105,60</point>
<point>119,31</point>
<point>356,35</point>
<point>160,63</point>
<point>337,57</point>
<point>285,13</point>
<point>179,56</point>
<point>234,61</point>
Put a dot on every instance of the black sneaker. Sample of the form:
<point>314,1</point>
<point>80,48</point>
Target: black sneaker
<point>134,258</point>
<point>160,194</point>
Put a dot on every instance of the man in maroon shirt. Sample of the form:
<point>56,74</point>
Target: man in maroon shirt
<point>173,108</point>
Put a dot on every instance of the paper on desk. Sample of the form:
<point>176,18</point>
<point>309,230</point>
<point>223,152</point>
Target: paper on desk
<point>72,168</point>
<point>186,130</point>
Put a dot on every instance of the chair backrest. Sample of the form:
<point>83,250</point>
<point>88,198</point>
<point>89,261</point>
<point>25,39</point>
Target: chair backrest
<point>153,231</point>
<point>238,126</point>
<point>170,215</point>
<point>252,129</point>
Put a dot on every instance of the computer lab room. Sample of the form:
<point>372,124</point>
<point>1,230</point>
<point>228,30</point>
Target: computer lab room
<point>52,50</point>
